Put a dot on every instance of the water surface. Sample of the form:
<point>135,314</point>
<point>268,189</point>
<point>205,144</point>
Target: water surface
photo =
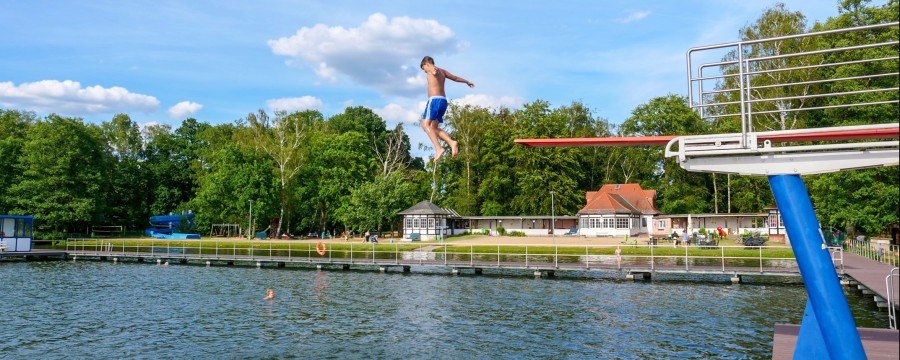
<point>83,309</point>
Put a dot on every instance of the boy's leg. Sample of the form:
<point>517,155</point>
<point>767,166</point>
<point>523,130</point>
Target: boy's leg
<point>428,127</point>
<point>454,146</point>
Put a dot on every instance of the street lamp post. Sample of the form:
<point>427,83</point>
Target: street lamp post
<point>552,217</point>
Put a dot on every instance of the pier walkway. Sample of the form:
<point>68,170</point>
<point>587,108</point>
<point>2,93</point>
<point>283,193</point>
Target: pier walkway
<point>871,277</point>
<point>635,262</point>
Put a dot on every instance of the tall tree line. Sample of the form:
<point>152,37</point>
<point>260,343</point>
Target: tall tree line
<point>305,172</point>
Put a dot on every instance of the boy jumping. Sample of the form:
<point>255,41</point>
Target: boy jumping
<point>437,106</point>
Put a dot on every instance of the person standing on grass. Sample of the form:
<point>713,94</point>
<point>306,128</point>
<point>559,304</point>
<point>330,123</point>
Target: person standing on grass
<point>437,106</point>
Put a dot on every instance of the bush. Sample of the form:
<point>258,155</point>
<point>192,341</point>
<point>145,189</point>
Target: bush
<point>516,233</point>
<point>501,230</point>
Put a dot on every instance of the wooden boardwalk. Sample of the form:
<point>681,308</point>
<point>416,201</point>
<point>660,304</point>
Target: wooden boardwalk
<point>878,343</point>
<point>871,275</point>
<point>34,254</point>
<point>406,260</point>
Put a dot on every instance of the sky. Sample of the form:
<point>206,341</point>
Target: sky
<point>162,61</point>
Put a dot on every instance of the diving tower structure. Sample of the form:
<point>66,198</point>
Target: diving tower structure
<point>778,81</point>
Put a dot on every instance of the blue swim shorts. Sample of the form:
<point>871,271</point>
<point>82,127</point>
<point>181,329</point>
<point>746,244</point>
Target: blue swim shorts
<point>435,108</point>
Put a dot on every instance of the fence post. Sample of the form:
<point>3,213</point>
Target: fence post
<point>723,258</point>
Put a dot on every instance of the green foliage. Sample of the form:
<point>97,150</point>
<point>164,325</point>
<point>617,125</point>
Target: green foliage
<point>304,172</point>
<point>14,125</point>
<point>501,230</point>
<point>62,182</point>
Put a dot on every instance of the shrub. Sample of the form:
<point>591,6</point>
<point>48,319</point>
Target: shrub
<point>501,230</point>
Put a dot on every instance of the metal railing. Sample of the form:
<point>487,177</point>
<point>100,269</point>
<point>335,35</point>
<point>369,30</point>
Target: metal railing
<point>710,259</point>
<point>776,84</point>
<point>892,311</point>
<point>744,70</point>
<point>837,258</point>
<point>886,253</point>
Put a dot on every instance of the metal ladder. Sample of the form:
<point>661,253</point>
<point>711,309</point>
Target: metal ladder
<point>892,310</point>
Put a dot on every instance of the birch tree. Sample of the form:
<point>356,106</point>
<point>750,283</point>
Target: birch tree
<point>281,138</point>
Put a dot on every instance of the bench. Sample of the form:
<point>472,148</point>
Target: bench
<point>414,237</point>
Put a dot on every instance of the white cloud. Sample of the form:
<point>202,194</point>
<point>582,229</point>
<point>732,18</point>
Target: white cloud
<point>377,53</point>
<point>68,97</point>
<point>490,102</point>
<point>183,109</point>
<point>295,104</point>
<point>412,113</point>
<point>633,16</point>
<point>399,113</point>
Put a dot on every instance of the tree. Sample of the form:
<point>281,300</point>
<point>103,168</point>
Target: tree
<point>125,207</point>
<point>63,180</point>
<point>14,126</point>
<point>870,205</point>
<point>236,176</point>
<point>679,191</point>
<point>282,140</point>
<point>376,204</point>
<point>337,164</point>
<point>168,161</point>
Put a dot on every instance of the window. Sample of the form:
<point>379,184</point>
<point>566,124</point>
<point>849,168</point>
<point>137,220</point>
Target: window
<point>661,224</point>
<point>643,222</point>
<point>622,223</point>
<point>431,222</point>
<point>609,223</point>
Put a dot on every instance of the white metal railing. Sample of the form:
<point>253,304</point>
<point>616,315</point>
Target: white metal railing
<point>766,78</point>
<point>722,259</point>
<point>743,63</point>
<point>837,258</point>
<point>891,305</point>
<point>886,253</point>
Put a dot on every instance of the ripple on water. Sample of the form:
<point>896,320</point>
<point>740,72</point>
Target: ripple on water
<point>96,309</point>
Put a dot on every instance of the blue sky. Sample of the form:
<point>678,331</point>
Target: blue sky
<point>162,61</point>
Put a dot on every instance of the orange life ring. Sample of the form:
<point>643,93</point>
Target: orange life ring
<point>320,248</point>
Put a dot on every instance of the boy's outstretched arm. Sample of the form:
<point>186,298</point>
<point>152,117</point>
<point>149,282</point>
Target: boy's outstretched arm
<point>458,79</point>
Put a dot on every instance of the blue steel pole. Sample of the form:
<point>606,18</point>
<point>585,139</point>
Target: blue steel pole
<point>822,286</point>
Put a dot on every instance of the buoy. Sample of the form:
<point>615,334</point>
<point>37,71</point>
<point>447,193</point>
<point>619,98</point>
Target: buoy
<point>320,248</point>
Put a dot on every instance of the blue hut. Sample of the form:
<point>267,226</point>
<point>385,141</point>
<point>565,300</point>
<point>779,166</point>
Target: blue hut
<point>15,232</point>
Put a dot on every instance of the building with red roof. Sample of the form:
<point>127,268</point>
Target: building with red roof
<point>617,210</point>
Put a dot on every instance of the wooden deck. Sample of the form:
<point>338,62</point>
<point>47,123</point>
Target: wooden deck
<point>34,254</point>
<point>878,343</point>
<point>871,274</point>
<point>423,259</point>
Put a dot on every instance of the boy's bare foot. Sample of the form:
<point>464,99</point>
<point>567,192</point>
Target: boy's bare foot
<point>437,155</point>
<point>454,149</point>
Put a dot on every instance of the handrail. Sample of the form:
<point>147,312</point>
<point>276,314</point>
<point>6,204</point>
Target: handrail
<point>720,259</point>
<point>839,251</point>
<point>889,254</point>
<point>739,63</point>
<point>892,311</point>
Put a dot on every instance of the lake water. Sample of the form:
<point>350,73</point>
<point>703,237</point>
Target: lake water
<point>86,309</point>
